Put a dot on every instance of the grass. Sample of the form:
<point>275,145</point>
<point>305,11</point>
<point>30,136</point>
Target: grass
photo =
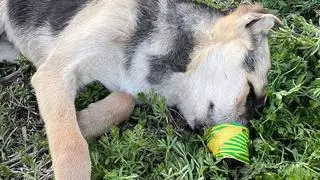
<point>156,144</point>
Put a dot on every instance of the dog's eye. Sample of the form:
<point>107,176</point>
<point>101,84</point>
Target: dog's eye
<point>211,105</point>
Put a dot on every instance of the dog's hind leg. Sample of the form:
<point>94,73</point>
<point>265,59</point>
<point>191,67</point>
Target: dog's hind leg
<point>100,116</point>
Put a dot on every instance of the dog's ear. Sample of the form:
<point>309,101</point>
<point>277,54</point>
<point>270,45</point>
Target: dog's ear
<point>256,18</point>
<point>235,25</point>
<point>259,23</point>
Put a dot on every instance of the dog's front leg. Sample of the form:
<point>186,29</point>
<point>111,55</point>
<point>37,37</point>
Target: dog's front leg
<point>55,93</point>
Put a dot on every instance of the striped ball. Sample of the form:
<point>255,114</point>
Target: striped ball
<point>229,140</point>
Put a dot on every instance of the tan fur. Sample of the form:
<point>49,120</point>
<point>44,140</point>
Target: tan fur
<point>226,29</point>
<point>68,147</point>
<point>69,150</point>
<point>200,53</point>
<point>242,99</point>
<point>95,120</point>
<point>232,27</point>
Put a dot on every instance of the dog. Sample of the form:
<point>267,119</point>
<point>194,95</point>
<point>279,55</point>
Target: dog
<point>203,61</point>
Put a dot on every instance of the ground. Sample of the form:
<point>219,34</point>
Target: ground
<point>156,144</point>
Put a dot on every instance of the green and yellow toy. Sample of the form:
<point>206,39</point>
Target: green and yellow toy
<point>229,140</point>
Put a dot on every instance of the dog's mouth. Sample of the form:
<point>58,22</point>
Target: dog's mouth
<point>253,110</point>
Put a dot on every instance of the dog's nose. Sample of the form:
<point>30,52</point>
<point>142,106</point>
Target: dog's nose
<point>199,127</point>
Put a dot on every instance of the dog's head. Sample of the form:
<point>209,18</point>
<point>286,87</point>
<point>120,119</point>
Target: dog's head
<point>231,61</point>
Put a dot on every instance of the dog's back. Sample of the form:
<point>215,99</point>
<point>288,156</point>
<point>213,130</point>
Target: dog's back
<point>33,24</point>
<point>149,39</point>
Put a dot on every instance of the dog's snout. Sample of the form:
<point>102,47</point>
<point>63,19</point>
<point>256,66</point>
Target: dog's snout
<point>199,127</point>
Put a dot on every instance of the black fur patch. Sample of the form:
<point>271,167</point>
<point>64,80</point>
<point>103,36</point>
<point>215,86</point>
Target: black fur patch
<point>178,58</point>
<point>250,62</point>
<point>177,19</point>
<point>250,103</point>
<point>210,111</point>
<point>37,13</point>
<point>148,11</point>
<point>253,57</point>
